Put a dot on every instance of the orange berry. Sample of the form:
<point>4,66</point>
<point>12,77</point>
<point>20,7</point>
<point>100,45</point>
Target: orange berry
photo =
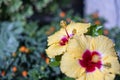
<point>22,49</point>
<point>62,14</point>
<point>106,32</point>
<point>3,73</point>
<point>14,69</point>
<point>24,73</point>
<point>95,15</point>
<point>97,22</point>
<point>47,60</point>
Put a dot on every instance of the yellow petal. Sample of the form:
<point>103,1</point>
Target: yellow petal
<point>55,50</point>
<point>82,77</point>
<point>78,45</point>
<point>70,66</point>
<point>114,65</point>
<point>103,45</point>
<point>81,28</point>
<point>109,76</point>
<point>96,75</point>
<point>74,48</point>
<point>55,38</point>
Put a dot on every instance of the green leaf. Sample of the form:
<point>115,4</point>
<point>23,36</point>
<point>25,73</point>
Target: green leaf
<point>68,78</point>
<point>54,63</point>
<point>1,2</point>
<point>34,74</point>
<point>14,5</point>
<point>27,12</point>
<point>95,30</point>
<point>41,4</point>
<point>58,58</point>
<point>30,29</point>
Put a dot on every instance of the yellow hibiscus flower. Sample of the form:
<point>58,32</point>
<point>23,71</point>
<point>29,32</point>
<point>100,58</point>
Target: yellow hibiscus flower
<point>58,42</point>
<point>90,58</point>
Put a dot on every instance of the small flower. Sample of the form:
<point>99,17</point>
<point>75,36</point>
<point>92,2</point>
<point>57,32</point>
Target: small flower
<point>24,73</point>
<point>58,42</point>
<point>47,60</point>
<point>14,69</point>
<point>24,49</point>
<point>106,32</point>
<point>97,22</point>
<point>62,14</point>
<point>90,58</point>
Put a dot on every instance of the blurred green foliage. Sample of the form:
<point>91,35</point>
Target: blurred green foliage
<point>20,9</point>
<point>114,33</point>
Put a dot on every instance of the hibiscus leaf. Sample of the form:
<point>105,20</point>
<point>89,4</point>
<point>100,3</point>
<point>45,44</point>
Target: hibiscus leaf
<point>95,30</point>
<point>54,62</point>
<point>58,58</point>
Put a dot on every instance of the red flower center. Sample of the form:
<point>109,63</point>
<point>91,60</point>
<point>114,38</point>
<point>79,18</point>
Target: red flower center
<point>90,61</point>
<point>65,38</point>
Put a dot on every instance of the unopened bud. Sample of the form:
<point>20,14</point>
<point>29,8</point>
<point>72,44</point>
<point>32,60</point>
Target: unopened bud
<point>63,24</point>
